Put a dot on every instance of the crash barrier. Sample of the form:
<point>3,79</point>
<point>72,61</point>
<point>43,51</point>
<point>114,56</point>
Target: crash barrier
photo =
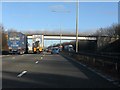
<point>109,63</point>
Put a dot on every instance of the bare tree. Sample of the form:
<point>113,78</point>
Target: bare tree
<point>117,29</point>
<point>111,31</point>
<point>3,38</point>
<point>11,30</point>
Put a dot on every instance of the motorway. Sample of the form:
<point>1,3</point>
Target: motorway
<point>48,71</point>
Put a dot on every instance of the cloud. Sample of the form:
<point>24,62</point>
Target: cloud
<point>58,8</point>
<point>111,13</point>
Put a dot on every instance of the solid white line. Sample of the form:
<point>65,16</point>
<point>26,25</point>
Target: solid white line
<point>103,76</point>
<point>21,74</point>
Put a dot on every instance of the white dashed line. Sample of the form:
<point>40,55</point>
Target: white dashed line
<point>36,62</point>
<point>21,74</point>
<point>13,57</point>
<point>41,57</point>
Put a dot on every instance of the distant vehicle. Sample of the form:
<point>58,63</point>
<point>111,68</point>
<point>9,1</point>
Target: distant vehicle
<point>61,47</point>
<point>17,42</point>
<point>69,48</point>
<point>37,43</point>
<point>49,50</point>
<point>55,50</point>
<point>46,50</point>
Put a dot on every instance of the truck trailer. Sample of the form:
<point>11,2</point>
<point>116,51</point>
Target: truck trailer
<point>17,42</point>
<point>29,45</point>
<point>38,43</point>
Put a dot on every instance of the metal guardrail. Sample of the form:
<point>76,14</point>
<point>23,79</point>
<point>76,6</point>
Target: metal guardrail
<point>95,57</point>
<point>115,59</point>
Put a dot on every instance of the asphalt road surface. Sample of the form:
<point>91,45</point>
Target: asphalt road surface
<point>48,71</point>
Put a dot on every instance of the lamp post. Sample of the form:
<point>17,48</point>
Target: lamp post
<point>77,26</point>
<point>60,25</point>
<point>60,36</point>
<point>60,28</point>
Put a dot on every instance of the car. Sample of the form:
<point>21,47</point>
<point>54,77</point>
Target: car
<point>49,50</point>
<point>55,51</point>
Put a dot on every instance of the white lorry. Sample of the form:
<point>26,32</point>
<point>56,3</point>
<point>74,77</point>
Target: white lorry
<point>69,48</point>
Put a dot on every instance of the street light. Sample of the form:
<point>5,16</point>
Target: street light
<point>77,26</point>
<point>60,28</point>
<point>60,36</point>
<point>55,11</point>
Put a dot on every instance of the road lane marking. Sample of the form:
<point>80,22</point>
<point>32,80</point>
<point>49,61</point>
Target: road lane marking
<point>36,62</point>
<point>21,74</point>
<point>41,57</point>
<point>13,57</point>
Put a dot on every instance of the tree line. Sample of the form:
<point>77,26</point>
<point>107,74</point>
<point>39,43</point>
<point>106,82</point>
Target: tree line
<point>111,31</point>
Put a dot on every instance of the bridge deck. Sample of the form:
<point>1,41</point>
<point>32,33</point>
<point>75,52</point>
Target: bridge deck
<point>66,38</point>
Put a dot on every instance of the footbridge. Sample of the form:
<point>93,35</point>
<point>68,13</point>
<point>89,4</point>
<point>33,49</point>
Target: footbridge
<point>49,37</point>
